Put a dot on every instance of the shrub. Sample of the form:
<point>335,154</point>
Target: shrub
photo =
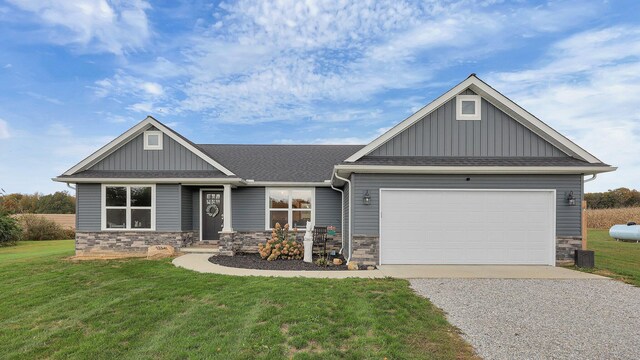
<point>9,231</point>
<point>36,227</point>
<point>282,245</point>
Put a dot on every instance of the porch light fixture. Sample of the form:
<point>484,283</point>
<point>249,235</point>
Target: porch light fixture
<point>366,199</point>
<point>571,199</point>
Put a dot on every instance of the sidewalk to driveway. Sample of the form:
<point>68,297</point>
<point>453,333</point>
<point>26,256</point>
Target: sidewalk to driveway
<point>201,263</point>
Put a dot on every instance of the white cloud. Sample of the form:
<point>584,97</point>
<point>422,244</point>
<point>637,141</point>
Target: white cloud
<point>7,66</point>
<point>586,87</point>
<point>100,25</point>
<point>4,130</point>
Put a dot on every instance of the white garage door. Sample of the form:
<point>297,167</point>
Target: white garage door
<point>467,226</point>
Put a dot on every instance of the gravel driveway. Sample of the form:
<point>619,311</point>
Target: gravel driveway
<point>541,319</point>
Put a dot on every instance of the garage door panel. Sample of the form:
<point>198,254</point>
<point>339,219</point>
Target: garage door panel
<point>467,227</point>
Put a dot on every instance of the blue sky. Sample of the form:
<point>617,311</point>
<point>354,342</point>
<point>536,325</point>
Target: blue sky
<point>76,74</point>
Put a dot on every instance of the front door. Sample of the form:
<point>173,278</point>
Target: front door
<point>212,217</point>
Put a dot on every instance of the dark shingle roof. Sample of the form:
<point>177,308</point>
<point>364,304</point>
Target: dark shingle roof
<point>209,174</point>
<point>470,161</point>
<point>299,163</point>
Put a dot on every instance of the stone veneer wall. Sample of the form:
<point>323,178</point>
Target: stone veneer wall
<point>130,241</point>
<point>566,247</point>
<point>247,242</point>
<point>365,249</point>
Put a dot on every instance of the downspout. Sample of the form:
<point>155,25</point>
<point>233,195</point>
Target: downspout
<point>341,213</point>
<point>593,177</point>
<point>70,187</point>
<point>350,215</point>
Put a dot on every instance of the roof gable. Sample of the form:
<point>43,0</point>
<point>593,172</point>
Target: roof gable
<point>439,133</point>
<point>126,153</point>
<point>497,100</point>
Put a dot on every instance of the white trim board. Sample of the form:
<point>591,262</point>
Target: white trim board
<point>501,102</point>
<point>132,133</point>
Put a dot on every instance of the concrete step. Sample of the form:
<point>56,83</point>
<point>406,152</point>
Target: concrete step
<point>200,250</point>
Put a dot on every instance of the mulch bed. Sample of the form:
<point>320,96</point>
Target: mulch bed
<point>254,261</point>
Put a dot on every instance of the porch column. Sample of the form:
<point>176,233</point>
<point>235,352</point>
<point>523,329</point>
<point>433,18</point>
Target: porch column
<point>226,227</point>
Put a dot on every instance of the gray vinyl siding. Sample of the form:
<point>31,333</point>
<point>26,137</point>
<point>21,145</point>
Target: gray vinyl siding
<point>440,134</point>
<point>248,209</point>
<point>132,156</point>
<point>88,207</point>
<point>168,207</point>
<point>366,217</point>
<point>328,204</point>
<point>186,208</point>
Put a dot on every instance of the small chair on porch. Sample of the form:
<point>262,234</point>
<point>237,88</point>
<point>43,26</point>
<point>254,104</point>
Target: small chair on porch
<point>320,237</point>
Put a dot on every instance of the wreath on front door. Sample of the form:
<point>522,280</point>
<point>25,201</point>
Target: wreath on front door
<point>212,210</point>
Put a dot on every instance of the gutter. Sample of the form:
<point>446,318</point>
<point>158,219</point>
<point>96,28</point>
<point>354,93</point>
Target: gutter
<point>593,177</point>
<point>335,173</point>
<point>341,213</point>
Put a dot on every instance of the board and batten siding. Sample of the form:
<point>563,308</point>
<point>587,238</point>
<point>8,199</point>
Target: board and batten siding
<point>440,134</point>
<point>88,207</point>
<point>132,156</point>
<point>366,217</point>
<point>168,209</point>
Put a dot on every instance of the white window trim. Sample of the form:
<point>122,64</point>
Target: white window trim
<point>477,102</point>
<point>290,211</point>
<point>146,140</point>
<point>128,207</point>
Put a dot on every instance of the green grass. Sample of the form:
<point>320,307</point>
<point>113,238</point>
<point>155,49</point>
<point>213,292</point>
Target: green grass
<point>55,308</point>
<point>617,259</point>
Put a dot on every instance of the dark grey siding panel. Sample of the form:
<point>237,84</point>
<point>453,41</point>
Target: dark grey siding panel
<point>440,134</point>
<point>328,207</point>
<point>186,208</point>
<point>132,156</point>
<point>248,208</point>
<point>366,218</point>
<point>88,207</point>
<point>168,208</point>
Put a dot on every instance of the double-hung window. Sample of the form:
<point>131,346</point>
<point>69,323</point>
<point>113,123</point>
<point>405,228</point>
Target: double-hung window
<point>293,206</point>
<point>128,207</point>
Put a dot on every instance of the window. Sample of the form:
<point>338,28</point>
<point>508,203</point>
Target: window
<point>293,206</point>
<point>153,140</point>
<point>468,107</point>
<point>128,207</point>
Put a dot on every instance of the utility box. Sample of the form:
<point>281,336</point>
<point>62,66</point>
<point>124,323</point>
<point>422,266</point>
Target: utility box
<point>585,258</point>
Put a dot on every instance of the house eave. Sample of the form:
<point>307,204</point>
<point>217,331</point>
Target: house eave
<point>500,170</point>
<point>185,181</point>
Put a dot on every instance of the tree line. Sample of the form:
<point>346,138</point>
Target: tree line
<point>617,198</point>
<point>60,202</point>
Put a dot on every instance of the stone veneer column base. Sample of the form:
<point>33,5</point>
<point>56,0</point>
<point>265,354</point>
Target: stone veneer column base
<point>365,249</point>
<point>129,241</point>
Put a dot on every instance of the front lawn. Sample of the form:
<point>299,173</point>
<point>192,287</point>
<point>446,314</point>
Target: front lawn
<point>54,308</point>
<point>617,259</point>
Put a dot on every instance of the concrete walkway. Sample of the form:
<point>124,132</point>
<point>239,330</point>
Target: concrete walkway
<point>200,263</point>
<point>483,272</point>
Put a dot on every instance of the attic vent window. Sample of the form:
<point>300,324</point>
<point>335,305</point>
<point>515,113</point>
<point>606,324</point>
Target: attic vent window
<point>468,107</point>
<point>153,140</point>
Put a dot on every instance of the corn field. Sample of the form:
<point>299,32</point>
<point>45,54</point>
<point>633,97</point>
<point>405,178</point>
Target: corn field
<point>606,218</point>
